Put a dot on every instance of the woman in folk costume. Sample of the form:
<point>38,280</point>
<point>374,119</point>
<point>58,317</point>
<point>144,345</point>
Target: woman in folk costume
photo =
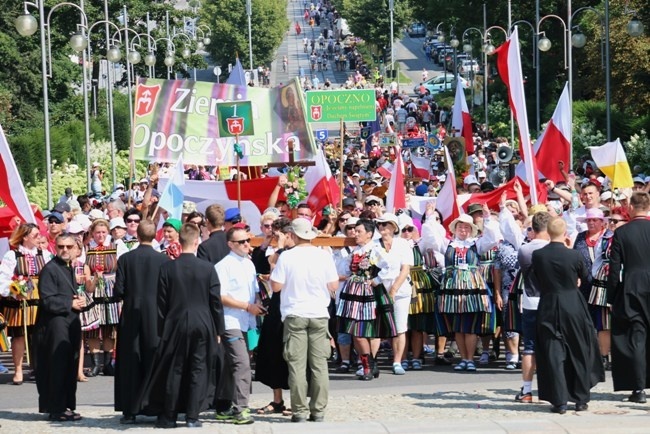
<point>365,309</point>
<point>421,319</point>
<point>464,301</point>
<point>19,272</point>
<point>100,269</point>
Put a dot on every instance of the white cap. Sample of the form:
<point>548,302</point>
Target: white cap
<point>95,164</point>
<point>481,174</point>
<point>83,220</point>
<point>638,179</point>
<point>144,181</point>
<point>647,179</point>
<point>95,214</point>
<point>470,179</point>
<point>117,222</point>
<point>607,195</point>
<point>74,227</point>
<point>404,220</point>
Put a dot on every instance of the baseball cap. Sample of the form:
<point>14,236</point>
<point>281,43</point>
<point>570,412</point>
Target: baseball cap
<point>117,222</point>
<point>74,227</point>
<point>638,179</point>
<point>188,207</point>
<point>470,179</point>
<point>372,198</point>
<point>61,207</point>
<point>56,215</point>
<point>174,223</point>
<point>348,201</point>
<point>232,214</point>
<point>95,214</point>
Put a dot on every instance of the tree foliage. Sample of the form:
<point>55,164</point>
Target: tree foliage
<point>229,24</point>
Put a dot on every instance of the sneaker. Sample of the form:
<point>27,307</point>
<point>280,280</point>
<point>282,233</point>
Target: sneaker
<point>428,350</point>
<point>441,361</point>
<point>3,369</point>
<point>343,368</point>
<point>398,370</point>
<point>243,417</point>
<point>525,398</point>
<point>228,415</point>
<point>511,366</point>
<point>485,358</point>
<point>359,370</point>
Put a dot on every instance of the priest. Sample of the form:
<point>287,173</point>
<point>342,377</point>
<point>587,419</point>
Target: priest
<point>59,333</point>
<point>136,284</point>
<point>190,317</point>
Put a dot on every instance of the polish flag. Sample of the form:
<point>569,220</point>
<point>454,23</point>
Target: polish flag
<point>386,169</point>
<point>321,185</point>
<point>554,144</point>
<point>447,200</point>
<point>509,66</point>
<point>255,195</point>
<point>461,119</point>
<point>420,167</point>
<point>12,191</point>
<point>396,194</point>
<point>492,198</point>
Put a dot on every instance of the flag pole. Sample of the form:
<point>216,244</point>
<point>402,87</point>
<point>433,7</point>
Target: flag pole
<point>342,126</point>
<point>238,177</point>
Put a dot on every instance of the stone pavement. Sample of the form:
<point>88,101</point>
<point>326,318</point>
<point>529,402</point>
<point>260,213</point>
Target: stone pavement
<point>410,409</point>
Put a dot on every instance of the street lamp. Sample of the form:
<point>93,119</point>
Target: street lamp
<point>249,13</point>
<point>26,25</point>
<point>635,27</point>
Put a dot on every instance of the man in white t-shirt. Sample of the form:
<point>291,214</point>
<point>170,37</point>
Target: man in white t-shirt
<point>530,300</point>
<point>308,279</point>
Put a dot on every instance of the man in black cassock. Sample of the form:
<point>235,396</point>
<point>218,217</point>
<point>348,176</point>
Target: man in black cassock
<point>630,300</point>
<point>213,250</point>
<point>568,358</point>
<point>190,317</point>
<point>137,335</point>
<point>59,330</point>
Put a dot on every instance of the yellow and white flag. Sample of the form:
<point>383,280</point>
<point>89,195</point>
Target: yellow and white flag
<point>610,159</point>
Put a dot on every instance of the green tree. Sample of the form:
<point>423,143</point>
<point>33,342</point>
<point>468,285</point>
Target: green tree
<point>229,24</point>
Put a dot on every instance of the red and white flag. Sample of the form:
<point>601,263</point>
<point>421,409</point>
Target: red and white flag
<point>386,169</point>
<point>447,200</point>
<point>396,194</point>
<point>554,144</point>
<point>420,167</point>
<point>509,66</point>
<point>461,119</point>
<point>12,191</point>
<point>321,185</point>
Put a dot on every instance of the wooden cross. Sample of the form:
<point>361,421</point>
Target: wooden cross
<point>292,162</point>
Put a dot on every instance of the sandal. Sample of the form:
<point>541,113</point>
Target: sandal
<point>68,416</point>
<point>272,408</point>
<point>417,365</point>
<point>462,366</point>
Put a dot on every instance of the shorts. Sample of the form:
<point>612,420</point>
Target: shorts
<point>401,306</point>
<point>529,330</point>
<point>344,338</point>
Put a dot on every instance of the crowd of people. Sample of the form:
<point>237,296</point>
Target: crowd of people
<point>545,279</point>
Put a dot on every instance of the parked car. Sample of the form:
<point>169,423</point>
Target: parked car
<point>417,30</point>
<point>466,66</point>
<point>440,84</point>
<point>455,61</point>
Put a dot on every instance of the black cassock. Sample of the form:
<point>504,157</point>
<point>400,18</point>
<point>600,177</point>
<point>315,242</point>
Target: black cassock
<point>59,339</point>
<point>630,300</point>
<point>137,335</point>
<point>190,316</point>
<point>566,349</point>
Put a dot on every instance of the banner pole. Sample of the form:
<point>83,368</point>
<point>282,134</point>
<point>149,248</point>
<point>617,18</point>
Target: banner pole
<point>342,126</point>
<point>238,178</point>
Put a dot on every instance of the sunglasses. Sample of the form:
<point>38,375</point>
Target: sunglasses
<point>234,221</point>
<point>65,246</point>
<point>133,220</point>
<point>383,224</point>
<point>242,242</point>
<point>616,221</point>
<point>267,226</point>
<point>343,220</point>
<point>373,203</point>
<point>409,229</point>
<point>54,222</point>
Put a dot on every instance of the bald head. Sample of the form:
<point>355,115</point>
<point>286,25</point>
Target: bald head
<point>557,229</point>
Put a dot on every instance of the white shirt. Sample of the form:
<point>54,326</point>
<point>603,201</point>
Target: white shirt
<point>305,273</point>
<point>390,264</point>
<point>238,280</point>
<point>8,266</point>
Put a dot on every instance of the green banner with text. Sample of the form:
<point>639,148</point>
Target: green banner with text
<point>355,105</point>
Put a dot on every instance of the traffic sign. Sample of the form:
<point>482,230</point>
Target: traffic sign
<point>321,135</point>
<point>217,71</point>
